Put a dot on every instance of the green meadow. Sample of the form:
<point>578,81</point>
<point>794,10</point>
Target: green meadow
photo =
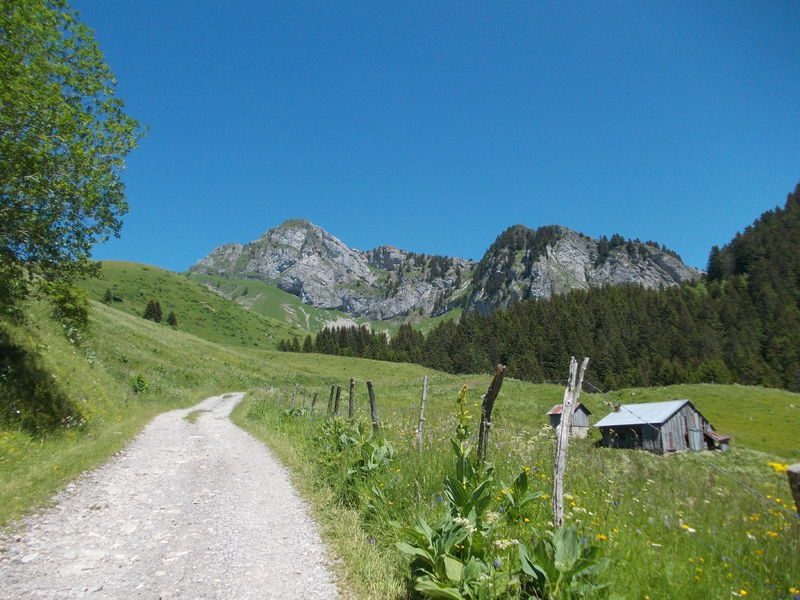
<point>691,525</point>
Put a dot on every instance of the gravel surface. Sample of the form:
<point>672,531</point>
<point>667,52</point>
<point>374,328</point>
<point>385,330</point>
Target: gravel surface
<point>188,510</point>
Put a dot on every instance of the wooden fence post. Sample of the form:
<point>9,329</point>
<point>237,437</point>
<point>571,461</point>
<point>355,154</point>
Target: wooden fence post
<point>314,401</point>
<point>351,402</point>
<point>571,395</point>
<point>421,422</point>
<point>294,394</point>
<point>373,409</point>
<point>793,473</point>
<point>330,400</point>
<point>336,402</point>
<point>486,411</point>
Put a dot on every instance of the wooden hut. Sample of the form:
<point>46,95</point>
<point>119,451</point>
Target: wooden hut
<point>580,419</point>
<point>659,427</point>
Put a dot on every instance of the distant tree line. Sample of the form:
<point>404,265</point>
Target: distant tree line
<point>739,324</point>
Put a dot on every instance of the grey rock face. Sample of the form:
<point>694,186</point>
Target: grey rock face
<point>567,261</point>
<point>307,261</point>
<point>387,282</point>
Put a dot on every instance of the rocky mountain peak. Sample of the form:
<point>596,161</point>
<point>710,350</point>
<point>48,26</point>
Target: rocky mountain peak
<point>304,259</point>
<point>527,263</point>
<point>388,282</point>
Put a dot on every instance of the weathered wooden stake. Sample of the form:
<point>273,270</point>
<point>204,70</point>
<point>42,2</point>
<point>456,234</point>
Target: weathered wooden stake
<point>294,394</point>
<point>793,473</point>
<point>305,394</point>
<point>373,409</point>
<point>422,413</point>
<point>336,402</point>
<point>486,411</point>
<point>314,401</point>
<point>330,400</point>
<point>571,395</point>
<point>351,401</point>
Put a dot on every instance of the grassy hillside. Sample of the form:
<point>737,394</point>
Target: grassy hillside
<point>638,507</point>
<point>268,300</point>
<point>691,525</point>
<point>198,310</point>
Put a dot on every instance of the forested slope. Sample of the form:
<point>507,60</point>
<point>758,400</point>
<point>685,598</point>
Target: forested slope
<point>739,324</point>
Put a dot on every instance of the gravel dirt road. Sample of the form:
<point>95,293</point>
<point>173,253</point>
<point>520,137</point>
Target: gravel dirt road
<point>187,510</point>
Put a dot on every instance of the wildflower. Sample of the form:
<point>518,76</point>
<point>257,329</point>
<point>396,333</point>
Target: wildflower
<point>601,537</point>
<point>778,467</point>
<point>496,563</point>
<point>689,529</point>
<point>504,544</point>
<point>465,523</point>
<point>772,534</point>
<point>491,517</point>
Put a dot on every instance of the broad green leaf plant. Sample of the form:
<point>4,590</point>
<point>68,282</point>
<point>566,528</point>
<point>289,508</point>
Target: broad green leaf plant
<point>469,555</point>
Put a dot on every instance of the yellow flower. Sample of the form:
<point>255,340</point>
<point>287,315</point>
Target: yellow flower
<point>778,467</point>
<point>600,537</point>
<point>772,534</point>
<point>794,590</point>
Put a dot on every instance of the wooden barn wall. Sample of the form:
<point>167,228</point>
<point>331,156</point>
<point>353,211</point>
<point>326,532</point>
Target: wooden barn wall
<point>580,419</point>
<point>651,439</point>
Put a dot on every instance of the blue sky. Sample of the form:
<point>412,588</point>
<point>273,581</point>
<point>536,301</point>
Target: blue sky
<point>433,126</point>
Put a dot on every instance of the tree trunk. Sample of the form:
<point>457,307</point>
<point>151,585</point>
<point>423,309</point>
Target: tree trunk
<point>421,423</point>
<point>351,403</point>
<point>336,402</point>
<point>330,400</point>
<point>373,409</point>
<point>571,395</point>
<point>486,411</point>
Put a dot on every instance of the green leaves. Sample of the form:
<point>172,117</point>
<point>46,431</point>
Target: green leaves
<point>63,139</point>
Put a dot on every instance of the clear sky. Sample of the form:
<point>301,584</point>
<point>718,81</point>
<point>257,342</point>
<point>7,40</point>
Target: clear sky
<point>433,126</point>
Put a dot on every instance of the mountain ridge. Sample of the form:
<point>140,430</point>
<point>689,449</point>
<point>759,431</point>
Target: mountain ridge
<point>388,282</point>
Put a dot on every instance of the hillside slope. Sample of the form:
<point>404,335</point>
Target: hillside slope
<point>198,310</point>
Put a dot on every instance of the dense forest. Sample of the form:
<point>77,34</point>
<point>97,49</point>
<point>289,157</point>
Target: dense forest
<point>741,323</point>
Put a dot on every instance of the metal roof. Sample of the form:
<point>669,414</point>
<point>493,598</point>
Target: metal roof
<point>556,410</point>
<point>653,413</point>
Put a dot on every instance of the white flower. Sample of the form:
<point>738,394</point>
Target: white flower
<point>504,544</point>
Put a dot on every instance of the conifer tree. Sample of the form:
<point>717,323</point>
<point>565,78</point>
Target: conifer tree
<point>172,320</point>
<point>153,311</point>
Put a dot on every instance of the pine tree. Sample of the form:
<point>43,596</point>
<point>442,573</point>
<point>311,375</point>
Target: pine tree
<point>108,297</point>
<point>172,320</point>
<point>153,311</point>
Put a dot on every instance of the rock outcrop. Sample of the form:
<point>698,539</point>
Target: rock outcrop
<point>387,282</point>
<point>307,261</point>
<point>525,263</point>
